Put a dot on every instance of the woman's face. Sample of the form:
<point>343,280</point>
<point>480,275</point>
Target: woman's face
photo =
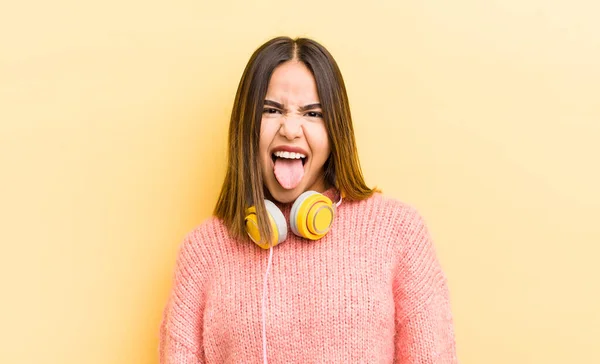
<point>294,144</point>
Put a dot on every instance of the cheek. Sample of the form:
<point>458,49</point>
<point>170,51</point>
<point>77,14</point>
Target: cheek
<point>267,134</point>
<point>319,142</point>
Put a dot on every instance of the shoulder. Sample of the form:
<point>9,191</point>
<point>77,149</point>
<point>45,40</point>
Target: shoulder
<point>410,235</point>
<point>407,216</point>
<point>385,218</point>
<point>397,213</point>
<point>201,245</point>
<point>393,220</point>
<point>211,230</point>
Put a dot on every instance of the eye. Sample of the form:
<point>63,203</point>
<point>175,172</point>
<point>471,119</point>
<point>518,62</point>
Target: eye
<point>271,111</point>
<point>314,114</point>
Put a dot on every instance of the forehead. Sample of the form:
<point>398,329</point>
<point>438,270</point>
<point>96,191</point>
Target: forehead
<point>292,80</point>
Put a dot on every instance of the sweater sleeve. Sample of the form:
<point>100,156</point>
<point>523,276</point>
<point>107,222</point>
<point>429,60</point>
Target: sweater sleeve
<point>180,334</point>
<point>424,324</point>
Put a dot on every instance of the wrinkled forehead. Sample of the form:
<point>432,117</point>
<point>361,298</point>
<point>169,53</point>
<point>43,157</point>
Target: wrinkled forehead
<point>292,83</point>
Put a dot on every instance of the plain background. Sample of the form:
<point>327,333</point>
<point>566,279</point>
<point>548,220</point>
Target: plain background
<point>485,115</point>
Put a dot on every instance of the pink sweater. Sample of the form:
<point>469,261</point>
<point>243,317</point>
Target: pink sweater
<point>371,291</point>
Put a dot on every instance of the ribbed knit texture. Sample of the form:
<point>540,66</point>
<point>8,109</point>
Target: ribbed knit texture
<point>371,291</point>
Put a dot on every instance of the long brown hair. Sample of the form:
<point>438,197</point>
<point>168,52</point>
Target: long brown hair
<point>243,185</point>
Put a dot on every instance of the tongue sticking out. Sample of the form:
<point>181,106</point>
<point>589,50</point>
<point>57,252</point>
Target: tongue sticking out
<point>288,172</point>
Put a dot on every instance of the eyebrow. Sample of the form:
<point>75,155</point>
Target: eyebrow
<point>302,108</point>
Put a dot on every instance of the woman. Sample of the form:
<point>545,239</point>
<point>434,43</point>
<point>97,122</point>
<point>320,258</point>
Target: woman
<point>354,280</point>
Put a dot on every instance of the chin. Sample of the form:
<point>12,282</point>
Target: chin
<point>283,195</point>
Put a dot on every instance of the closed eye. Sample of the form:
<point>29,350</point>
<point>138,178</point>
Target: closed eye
<point>314,114</point>
<point>271,111</point>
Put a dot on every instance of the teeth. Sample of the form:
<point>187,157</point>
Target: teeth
<point>289,155</point>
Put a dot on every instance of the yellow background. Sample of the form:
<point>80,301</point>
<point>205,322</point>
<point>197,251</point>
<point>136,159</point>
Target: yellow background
<point>485,115</point>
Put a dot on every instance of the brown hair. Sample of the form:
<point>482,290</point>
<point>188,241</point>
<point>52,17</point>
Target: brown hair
<point>243,185</point>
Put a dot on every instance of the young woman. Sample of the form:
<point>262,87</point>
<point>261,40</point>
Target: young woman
<point>302,262</point>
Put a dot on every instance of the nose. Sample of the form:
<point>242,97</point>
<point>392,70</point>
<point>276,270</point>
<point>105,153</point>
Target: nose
<point>291,128</point>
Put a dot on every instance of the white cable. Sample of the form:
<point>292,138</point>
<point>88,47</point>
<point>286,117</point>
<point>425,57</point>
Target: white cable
<point>339,202</point>
<point>264,309</point>
<point>264,322</point>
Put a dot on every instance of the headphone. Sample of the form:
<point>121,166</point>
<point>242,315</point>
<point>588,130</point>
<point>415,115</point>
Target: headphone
<point>311,217</point>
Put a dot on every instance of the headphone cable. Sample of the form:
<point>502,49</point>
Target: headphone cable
<point>264,309</point>
<point>264,322</point>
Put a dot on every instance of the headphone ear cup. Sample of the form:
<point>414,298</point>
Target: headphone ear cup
<point>312,215</point>
<point>276,220</point>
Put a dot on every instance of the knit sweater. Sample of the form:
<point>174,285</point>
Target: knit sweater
<point>371,291</point>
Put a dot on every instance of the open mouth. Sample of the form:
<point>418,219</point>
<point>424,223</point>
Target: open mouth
<point>289,155</point>
<point>288,168</point>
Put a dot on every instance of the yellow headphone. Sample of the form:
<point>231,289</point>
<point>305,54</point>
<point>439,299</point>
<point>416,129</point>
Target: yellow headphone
<point>311,217</point>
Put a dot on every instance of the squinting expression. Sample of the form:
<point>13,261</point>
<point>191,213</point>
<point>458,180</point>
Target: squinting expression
<point>292,132</point>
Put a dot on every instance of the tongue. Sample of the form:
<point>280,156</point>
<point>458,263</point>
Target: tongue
<point>288,172</point>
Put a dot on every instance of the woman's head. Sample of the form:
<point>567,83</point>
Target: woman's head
<point>290,131</point>
<point>294,143</point>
